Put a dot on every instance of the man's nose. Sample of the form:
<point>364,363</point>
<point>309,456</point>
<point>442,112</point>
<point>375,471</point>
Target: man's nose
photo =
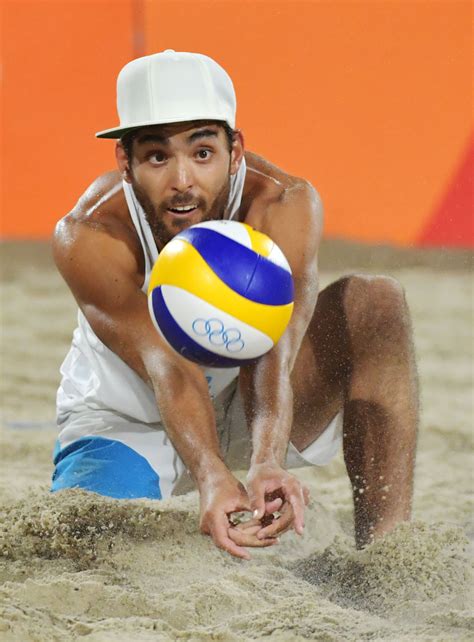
<point>182,179</point>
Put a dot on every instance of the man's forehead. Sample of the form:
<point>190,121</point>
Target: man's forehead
<point>173,129</point>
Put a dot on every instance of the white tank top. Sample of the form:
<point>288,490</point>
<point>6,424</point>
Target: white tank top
<point>94,377</point>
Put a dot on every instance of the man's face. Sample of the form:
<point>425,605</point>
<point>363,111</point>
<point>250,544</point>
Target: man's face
<point>180,174</point>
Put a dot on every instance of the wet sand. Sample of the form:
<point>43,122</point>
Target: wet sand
<point>76,565</point>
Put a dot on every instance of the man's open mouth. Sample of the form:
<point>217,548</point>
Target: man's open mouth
<point>184,209</point>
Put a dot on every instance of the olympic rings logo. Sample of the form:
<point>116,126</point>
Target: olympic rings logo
<point>218,335</point>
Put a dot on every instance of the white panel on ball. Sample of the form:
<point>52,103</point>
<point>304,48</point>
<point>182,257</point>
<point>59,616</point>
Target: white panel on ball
<point>232,229</point>
<point>276,256</point>
<point>213,329</point>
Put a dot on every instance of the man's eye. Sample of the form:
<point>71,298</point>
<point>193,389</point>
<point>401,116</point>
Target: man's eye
<point>204,154</point>
<point>157,157</point>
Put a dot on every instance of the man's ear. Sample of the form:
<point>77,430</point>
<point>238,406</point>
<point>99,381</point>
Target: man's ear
<point>122,162</point>
<point>237,153</point>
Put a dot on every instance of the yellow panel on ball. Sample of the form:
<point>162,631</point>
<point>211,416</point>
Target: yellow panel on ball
<point>261,243</point>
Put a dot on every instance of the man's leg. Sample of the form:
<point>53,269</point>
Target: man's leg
<point>358,356</point>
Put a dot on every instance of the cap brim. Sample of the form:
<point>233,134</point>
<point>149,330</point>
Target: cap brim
<point>118,132</point>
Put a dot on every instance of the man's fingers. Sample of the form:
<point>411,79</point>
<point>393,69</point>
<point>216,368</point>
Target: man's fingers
<point>262,500</point>
<point>285,495</point>
<point>278,526</point>
<point>292,514</point>
<point>230,547</point>
<point>248,537</point>
<point>294,495</point>
<point>270,508</point>
<point>257,502</point>
<point>220,537</point>
<point>233,538</point>
<point>297,503</point>
<point>273,506</point>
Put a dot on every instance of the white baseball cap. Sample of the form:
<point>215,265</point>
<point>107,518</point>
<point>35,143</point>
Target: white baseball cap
<point>172,87</point>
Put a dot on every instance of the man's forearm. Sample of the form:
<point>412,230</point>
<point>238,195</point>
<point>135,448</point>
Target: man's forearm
<point>188,416</point>
<point>268,401</point>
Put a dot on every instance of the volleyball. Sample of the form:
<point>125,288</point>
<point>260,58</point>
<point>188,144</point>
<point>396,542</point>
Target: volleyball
<point>221,293</point>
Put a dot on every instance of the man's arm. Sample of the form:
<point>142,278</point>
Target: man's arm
<point>295,224</point>
<point>99,261</point>
<point>102,273</point>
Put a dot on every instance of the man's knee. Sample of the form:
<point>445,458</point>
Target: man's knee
<point>376,305</point>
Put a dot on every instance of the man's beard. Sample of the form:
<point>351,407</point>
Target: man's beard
<point>154,215</point>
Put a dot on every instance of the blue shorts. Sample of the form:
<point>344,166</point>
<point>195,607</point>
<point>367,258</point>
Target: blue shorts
<point>116,456</point>
<point>105,466</point>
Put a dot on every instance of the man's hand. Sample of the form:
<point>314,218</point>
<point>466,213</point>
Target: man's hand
<point>270,489</point>
<point>219,498</point>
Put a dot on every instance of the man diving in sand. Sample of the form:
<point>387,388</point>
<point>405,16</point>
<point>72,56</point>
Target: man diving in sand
<point>138,420</point>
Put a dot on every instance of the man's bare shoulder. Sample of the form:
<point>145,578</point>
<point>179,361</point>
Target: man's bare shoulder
<point>102,204</point>
<point>99,218</point>
<point>271,194</point>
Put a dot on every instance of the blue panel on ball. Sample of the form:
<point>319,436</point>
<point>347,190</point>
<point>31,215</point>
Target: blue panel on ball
<point>246,272</point>
<point>183,343</point>
<point>270,284</point>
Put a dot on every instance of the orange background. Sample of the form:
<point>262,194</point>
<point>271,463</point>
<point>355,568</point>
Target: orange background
<point>370,100</point>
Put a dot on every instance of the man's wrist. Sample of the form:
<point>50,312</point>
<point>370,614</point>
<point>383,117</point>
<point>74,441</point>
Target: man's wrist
<point>268,456</point>
<point>210,470</point>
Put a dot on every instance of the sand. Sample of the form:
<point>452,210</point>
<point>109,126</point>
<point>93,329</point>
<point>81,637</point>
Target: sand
<point>75,565</point>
